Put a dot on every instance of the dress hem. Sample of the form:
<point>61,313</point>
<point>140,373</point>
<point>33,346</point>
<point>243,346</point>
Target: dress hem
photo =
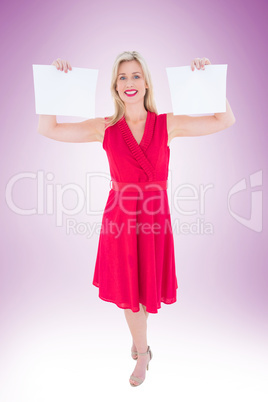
<point>163,300</point>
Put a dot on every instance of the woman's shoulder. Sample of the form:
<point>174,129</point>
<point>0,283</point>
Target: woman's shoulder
<point>162,117</point>
<point>107,120</point>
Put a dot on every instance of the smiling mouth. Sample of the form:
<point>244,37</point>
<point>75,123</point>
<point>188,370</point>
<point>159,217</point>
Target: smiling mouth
<point>131,93</point>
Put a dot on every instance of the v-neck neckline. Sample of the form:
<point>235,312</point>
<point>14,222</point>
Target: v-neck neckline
<point>144,133</point>
<point>139,150</point>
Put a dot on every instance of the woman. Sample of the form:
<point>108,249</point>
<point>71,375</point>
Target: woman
<point>135,265</point>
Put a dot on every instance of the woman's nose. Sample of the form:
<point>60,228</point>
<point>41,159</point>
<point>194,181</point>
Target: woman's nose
<point>129,84</point>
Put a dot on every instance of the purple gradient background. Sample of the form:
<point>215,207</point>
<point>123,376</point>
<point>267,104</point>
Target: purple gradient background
<point>46,274</point>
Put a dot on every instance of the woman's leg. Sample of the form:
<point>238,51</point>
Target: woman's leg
<point>137,323</point>
<point>134,348</point>
<point>146,312</point>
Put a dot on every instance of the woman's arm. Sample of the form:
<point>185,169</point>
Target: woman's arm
<point>86,131</point>
<point>188,126</point>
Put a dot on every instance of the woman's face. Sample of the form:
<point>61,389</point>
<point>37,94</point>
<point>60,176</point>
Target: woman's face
<point>130,78</point>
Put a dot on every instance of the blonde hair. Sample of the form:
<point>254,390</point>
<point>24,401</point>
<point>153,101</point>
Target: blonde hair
<point>149,102</point>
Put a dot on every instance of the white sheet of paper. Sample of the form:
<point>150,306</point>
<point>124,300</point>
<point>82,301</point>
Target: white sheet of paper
<point>198,91</point>
<point>65,94</point>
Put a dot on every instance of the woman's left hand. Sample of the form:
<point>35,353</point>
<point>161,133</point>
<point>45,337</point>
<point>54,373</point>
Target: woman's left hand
<point>199,63</point>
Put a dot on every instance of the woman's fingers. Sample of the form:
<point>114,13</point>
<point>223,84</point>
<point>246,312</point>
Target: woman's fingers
<point>55,63</point>
<point>62,65</point>
<point>65,67</point>
<point>59,64</point>
<point>199,63</point>
<point>69,65</point>
<point>202,63</point>
<point>195,62</point>
<point>205,61</point>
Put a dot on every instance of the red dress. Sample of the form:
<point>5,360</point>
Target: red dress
<point>135,259</point>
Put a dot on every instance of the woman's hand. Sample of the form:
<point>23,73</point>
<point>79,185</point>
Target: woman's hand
<point>62,65</point>
<point>199,63</point>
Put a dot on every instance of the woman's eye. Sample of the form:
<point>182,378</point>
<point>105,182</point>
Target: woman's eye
<point>134,76</point>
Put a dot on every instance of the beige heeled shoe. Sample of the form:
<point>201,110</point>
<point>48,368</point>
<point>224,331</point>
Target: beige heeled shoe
<point>138,379</point>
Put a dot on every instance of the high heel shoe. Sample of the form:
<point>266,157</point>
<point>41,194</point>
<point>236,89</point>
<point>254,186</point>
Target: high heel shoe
<point>138,379</point>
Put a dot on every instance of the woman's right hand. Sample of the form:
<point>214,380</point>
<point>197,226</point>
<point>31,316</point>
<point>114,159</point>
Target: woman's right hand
<point>62,65</point>
<point>85,131</point>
